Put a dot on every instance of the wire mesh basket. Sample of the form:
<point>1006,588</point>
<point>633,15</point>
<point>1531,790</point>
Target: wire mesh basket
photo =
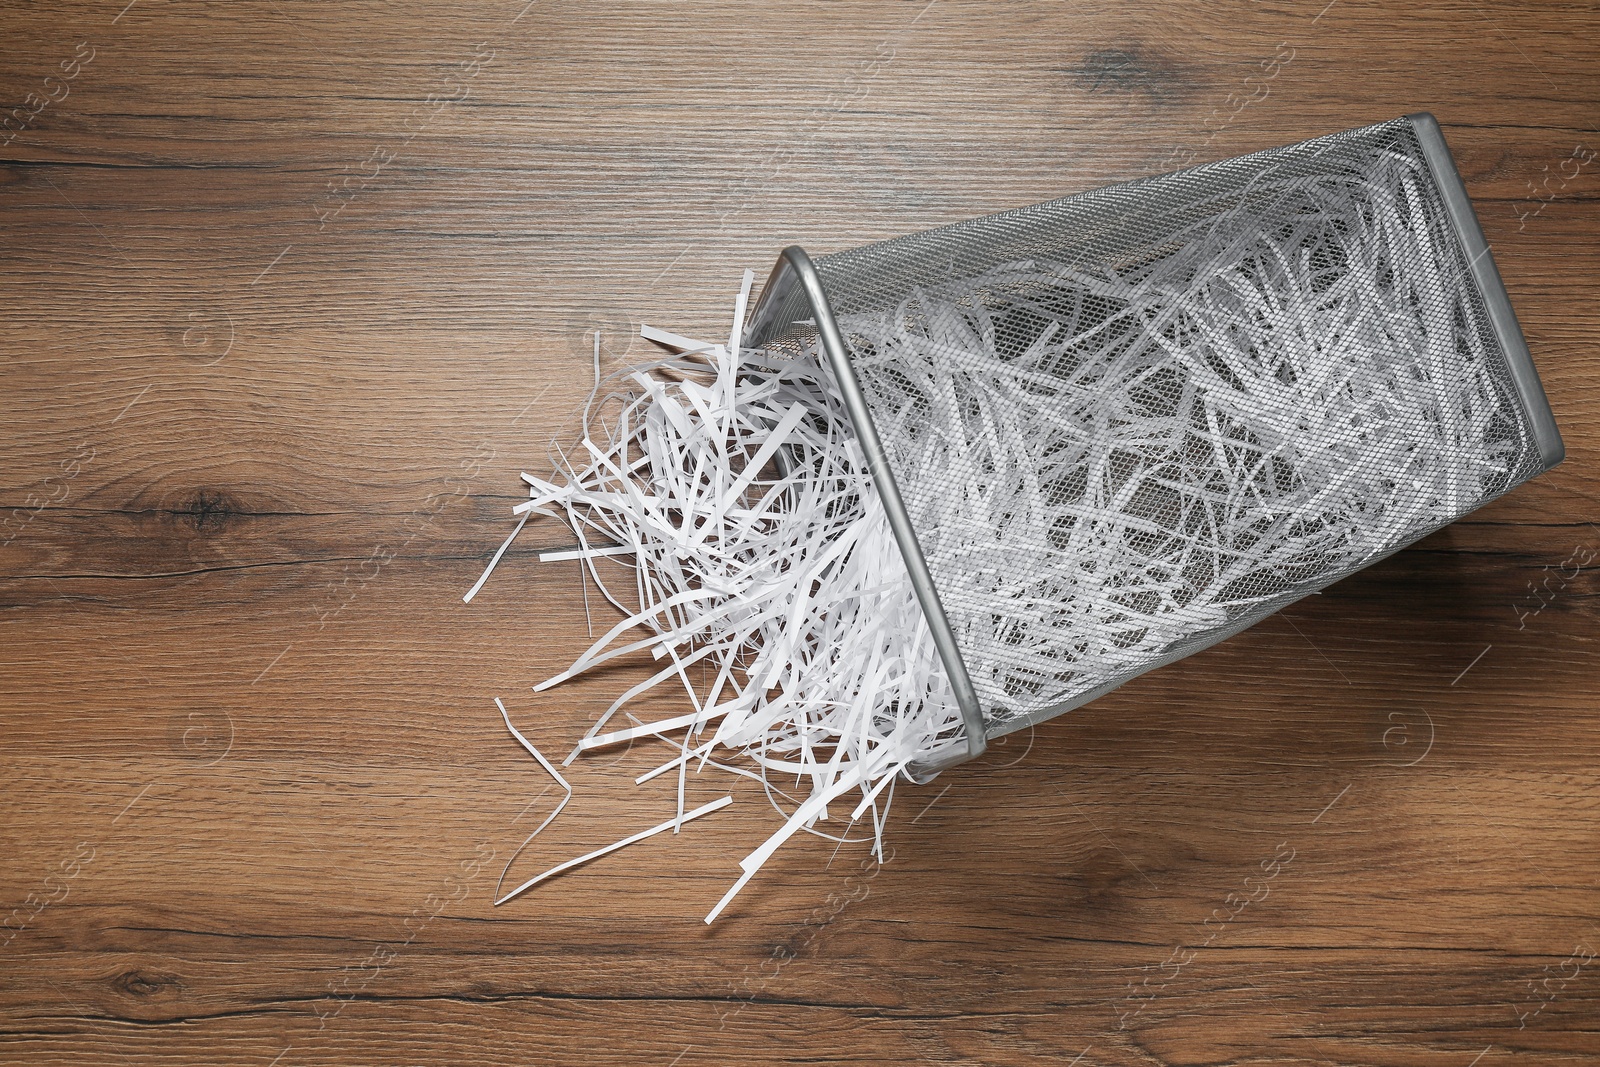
<point>1113,429</point>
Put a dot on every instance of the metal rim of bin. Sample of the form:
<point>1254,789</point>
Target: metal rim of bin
<point>1442,165</point>
<point>794,267</point>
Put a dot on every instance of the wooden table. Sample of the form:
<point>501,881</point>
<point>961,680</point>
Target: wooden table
<point>295,290</point>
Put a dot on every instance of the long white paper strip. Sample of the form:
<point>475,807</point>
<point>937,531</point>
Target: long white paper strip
<point>704,809</point>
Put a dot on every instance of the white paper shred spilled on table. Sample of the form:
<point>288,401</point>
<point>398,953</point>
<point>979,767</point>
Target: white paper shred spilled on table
<point>758,559</point>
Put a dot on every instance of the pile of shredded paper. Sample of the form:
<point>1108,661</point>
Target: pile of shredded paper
<point>734,492</point>
<point>1240,419</point>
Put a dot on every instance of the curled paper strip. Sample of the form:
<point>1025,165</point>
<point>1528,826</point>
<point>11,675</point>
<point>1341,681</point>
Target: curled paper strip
<point>536,754</point>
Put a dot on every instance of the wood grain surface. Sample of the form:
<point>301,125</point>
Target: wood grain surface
<point>294,291</point>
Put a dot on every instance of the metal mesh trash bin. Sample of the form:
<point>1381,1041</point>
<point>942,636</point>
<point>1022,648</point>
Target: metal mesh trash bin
<point>1113,429</point>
